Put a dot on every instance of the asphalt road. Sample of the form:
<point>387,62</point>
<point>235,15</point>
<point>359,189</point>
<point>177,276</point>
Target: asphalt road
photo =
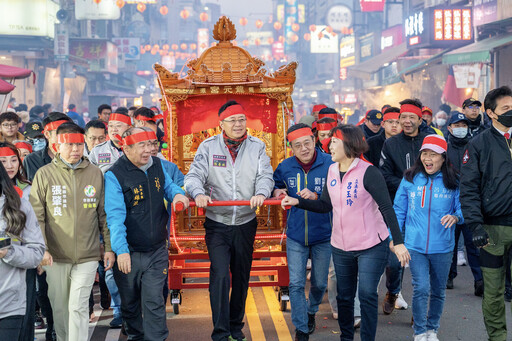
<point>461,320</point>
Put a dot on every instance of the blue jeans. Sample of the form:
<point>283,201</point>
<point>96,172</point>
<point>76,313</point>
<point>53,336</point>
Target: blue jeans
<point>367,266</point>
<point>297,255</point>
<point>429,276</point>
<point>332,292</point>
<point>393,274</point>
<point>115,302</point>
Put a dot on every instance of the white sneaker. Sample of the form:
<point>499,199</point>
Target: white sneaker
<point>432,335</point>
<point>308,265</point>
<point>420,337</point>
<point>357,322</point>
<point>400,302</point>
<point>461,258</point>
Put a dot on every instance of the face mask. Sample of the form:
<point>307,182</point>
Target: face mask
<point>505,119</point>
<point>441,122</point>
<point>460,132</point>
<point>38,144</point>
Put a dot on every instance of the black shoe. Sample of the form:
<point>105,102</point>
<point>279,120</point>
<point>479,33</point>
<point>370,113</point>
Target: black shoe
<point>300,336</point>
<point>105,301</point>
<point>39,322</point>
<point>50,333</point>
<point>449,283</point>
<point>508,294</point>
<point>479,288</point>
<point>311,323</point>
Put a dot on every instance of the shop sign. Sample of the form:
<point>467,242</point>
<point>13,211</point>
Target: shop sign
<point>467,76</point>
<point>366,47</point>
<point>262,36</point>
<point>278,50</point>
<point>169,62</point>
<point>29,18</point>
<point>203,41</point>
<point>391,37</point>
<point>61,42</point>
<point>339,17</point>
<point>484,11</point>
<point>452,24</point>
<point>90,10</point>
<point>301,13</point>
<point>347,51</point>
<point>101,54</point>
<point>372,5</point>
<point>414,28</point>
<point>348,98</point>
<point>129,48</point>
<point>323,41</point>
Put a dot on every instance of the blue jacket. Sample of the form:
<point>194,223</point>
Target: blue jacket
<point>419,207</point>
<point>307,228</point>
<point>174,172</point>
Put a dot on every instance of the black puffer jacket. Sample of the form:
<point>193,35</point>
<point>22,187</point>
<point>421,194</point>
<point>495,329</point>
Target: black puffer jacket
<point>456,149</point>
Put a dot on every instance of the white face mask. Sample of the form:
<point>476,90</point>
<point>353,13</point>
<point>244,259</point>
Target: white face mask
<point>460,132</point>
<point>441,122</point>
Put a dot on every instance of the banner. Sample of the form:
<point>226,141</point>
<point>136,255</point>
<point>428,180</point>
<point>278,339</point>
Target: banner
<point>372,5</point>
<point>323,42</point>
<point>467,76</point>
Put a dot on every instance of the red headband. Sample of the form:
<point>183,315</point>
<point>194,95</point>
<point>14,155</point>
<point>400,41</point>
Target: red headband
<point>70,138</point>
<point>120,118</point>
<point>139,137</point>
<point>410,108</point>
<point>332,115</point>
<point>6,151</point>
<point>232,110</point>
<point>24,145</point>
<point>391,116</point>
<point>318,107</point>
<point>299,133</point>
<point>325,126</point>
<point>154,118</point>
<point>338,134</point>
<point>53,125</point>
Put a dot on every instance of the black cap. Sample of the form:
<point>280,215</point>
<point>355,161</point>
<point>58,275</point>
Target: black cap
<point>471,101</point>
<point>457,117</point>
<point>34,129</point>
<point>374,116</point>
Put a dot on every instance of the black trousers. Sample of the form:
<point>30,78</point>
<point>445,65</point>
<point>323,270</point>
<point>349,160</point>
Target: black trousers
<point>44,302</point>
<point>230,249</point>
<point>141,295</point>
<point>10,327</point>
<point>27,326</point>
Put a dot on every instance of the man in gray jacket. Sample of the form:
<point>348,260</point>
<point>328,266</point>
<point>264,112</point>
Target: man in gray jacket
<point>230,166</point>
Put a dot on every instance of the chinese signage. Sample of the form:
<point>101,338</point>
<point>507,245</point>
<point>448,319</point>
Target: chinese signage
<point>391,37</point>
<point>323,41</point>
<point>263,37</point>
<point>347,51</point>
<point>301,15</point>
<point>452,24</point>
<point>467,76</point>
<point>101,54</point>
<point>439,27</point>
<point>485,11</point>
<point>339,17</point>
<point>278,50</point>
<point>372,5</point>
<point>28,18</point>
<point>128,47</point>
<point>61,42</point>
<point>366,47</point>
<point>93,10</point>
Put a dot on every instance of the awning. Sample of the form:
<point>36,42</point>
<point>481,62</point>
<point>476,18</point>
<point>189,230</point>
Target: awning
<point>5,87</point>
<point>115,93</point>
<point>365,69</point>
<point>13,72</point>
<point>478,52</point>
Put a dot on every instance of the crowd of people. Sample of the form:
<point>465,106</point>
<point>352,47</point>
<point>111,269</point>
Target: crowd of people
<point>82,197</point>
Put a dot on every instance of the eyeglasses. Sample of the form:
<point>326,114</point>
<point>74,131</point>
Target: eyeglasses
<point>306,144</point>
<point>233,122</point>
<point>473,107</point>
<point>9,125</point>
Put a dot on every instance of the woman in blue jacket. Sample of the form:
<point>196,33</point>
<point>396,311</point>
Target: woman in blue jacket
<point>427,206</point>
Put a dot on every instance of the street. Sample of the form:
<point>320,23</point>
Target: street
<point>462,317</point>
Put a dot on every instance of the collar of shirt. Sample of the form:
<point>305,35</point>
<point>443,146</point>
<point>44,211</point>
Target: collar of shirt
<point>504,132</point>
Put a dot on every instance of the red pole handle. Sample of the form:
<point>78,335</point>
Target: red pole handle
<point>179,205</point>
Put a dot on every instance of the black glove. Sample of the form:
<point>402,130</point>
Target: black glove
<point>480,236</point>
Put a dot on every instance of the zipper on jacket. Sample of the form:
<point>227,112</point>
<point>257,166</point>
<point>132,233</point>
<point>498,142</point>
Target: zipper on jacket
<point>429,206</point>
<point>150,208</point>
<point>305,211</point>
<point>233,187</point>
<point>75,212</point>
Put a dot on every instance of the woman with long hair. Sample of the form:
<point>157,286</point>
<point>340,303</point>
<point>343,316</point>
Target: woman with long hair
<point>12,162</point>
<point>356,193</point>
<point>23,248</point>
<point>427,206</point>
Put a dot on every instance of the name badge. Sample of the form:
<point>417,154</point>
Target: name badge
<point>104,158</point>
<point>219,161</point>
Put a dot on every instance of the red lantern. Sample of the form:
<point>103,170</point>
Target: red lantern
<point>97,1</point>
<point>257,42</point>
<point>184,14</point>
<point>203,16</point>
<point>328,29</point>
<point>193,46</point>
<point>183,46</point>
<point>164,10</point>
<point>259,24</point>
<point>281,39</point>
<point>142,51</point>
<point>174,47</point>
<point>243,21</point>
<point>246,42</point>
<point>307,36</point>
<point>147,47</point>
<point>234,42</point>
<point>295,38</point>
<point>334,34</point>
<point>162,52</point>
<point>156,46</point>
<point>295,27</point>
<point>270,40</point>
<point>277,25</point>
<point>141,7</point>
<point>166,47</point>
<point>312,28</point>
<point>120,3</point>
<point>153,51</point>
